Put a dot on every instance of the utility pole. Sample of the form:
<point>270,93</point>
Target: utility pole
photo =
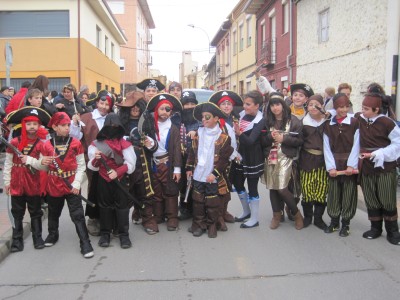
<point>9,60</point>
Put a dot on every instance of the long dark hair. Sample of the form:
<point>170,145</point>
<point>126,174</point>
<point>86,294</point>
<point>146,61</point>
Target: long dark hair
<point>125,112</point>
<point>277,98</point>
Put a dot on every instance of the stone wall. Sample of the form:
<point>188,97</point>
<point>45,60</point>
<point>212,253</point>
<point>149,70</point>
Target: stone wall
<point>355,51</point>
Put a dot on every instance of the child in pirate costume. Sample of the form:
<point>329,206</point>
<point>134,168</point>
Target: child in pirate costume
<point>64,157</point>
<point>188,128</point>
<point>227,101</point>
<point>380,147</point>
<point>300,94</point>
<point>282,138</point>
<point>207,162</point>
<point>313,175</point>
<point>113,157</point>
<point>139,181</point>
<point>341,150</point>
<point>150,88</point>
<point>251,166</point>
<point>20,179</point>
<point>167,160</point>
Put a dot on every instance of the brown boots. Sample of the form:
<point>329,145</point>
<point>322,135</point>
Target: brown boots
<point>298,220</point>
<point>276,219</point>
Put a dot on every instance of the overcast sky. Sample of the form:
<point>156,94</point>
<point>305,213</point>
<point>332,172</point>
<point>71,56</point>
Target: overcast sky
<point>172,35</point>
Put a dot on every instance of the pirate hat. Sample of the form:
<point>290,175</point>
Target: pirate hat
<point>301,86</point>
<point>220,96</point>
<point>102,95</point>
<point>150,83</point>
<point>207,107</point>
<point>131,99</point>
<point>17,116</point>
<point>151,106</point>
<point>189,96</point>
<point>112,128</point>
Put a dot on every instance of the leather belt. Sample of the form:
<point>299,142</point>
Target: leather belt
<point>63,174</point>
<point>314,151</point>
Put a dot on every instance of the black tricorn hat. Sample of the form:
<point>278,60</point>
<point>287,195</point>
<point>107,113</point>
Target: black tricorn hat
<point>189,96</point>
<point>101,95</point>
<point>177,106</point>
<point>112,128</point>
<point>226,95</point>
<point>207,107</point>
<point>16,117</point>
<point>301,86</point>
<point>154,83</point>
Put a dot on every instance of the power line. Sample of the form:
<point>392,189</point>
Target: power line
<point>163,51</point>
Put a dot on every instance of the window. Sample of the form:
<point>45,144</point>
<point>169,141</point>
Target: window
<point>273,38</point>
<point>234,42</point>
<point>106,87</point>
<point>248,28</point>
<point>262,32</point>
<point>98,37</point>
<point>323,29</point>
<point>112,51</point>
<point>34,24</point>
<point>248,86</point>
<point>285,16</point>
<point>105,45</point>
<point>241,38</point>
<point>98,86</point>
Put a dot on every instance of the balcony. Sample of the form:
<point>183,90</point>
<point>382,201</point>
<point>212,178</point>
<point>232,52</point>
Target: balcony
<point>268,52</point>
<point>150,41</point>
<point>220,71</point>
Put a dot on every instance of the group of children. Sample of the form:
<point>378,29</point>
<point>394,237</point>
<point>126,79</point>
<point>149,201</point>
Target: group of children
<point>211,149</point>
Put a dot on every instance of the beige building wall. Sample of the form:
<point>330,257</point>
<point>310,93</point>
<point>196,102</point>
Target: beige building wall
<point>355,51</point>
<point>58,57</point>
<point>135,57</point>
<point>242,52</point>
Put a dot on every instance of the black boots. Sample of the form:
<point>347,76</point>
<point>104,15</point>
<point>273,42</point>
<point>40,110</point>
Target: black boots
<point>392,229</point>
<point>334,226</point>
<point>36,227</point>
<point>319,210</point>
<point>308,213</point>
<point>81,230</point>
<point>17,243</point>
<point>52,238</point>
<point>345,230</point>
<point>375,231</point>
<point>123,228</point>
<point>106,224</point>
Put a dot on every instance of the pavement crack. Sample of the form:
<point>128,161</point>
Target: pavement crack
<point>28,288</point>
<point>206,279</point>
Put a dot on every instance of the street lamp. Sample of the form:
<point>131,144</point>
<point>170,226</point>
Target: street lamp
<point>209,43</point>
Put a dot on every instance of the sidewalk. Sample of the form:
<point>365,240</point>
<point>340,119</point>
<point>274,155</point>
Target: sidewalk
<point>6,229</point>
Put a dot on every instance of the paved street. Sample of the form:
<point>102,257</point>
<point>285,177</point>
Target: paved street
<point>239,264</point>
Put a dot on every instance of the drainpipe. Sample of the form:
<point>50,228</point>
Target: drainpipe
<point>290,43</point>
<point>79,44</point>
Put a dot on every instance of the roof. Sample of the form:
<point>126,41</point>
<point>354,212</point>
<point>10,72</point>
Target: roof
<point>147,14</point>
<point>103,10</point>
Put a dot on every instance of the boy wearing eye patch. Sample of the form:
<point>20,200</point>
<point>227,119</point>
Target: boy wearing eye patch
<point>167,160</point>
<point>207,162</point>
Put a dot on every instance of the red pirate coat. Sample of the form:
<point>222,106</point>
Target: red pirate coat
<point>23,182</point>
<point>71,165</point>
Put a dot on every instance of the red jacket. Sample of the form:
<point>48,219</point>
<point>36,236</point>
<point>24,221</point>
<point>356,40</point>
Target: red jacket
<point>17,101</point>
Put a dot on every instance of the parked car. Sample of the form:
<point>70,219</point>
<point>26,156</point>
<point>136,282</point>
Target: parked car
<point>201,94</point>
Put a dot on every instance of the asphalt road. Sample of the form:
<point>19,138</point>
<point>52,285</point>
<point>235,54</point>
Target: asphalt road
<point>256,263</point>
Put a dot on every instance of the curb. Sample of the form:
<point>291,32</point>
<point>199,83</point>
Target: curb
<point>5,239</point>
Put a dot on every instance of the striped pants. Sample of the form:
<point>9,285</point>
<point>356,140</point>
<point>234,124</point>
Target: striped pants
<point>380,191</point>
<point>342,197</point>
<point>314,185</point>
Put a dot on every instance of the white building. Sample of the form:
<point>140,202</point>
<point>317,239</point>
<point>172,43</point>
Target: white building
<point>348,41</point>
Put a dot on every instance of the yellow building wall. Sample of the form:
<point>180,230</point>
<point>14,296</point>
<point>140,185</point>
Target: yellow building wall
<point>59,58</point>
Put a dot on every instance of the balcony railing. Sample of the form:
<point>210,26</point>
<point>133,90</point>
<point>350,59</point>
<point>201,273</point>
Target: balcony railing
<point>268,51</point>
<point>220,71</point>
